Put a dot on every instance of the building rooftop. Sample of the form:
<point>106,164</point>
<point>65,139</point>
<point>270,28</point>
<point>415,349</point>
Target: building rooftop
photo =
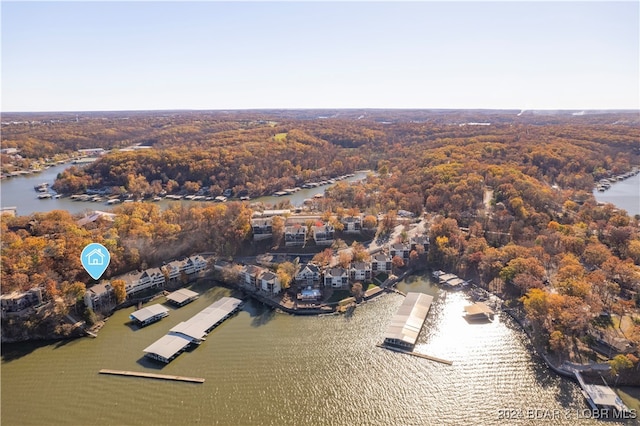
<point>181,296</point>
<point>455,282</point>
<point>149,312</point>
<point>478,310</point>
<point>198,326</point>
<point>168,346</point>
<point>603,396</point>
<point>193,330</point>
<point>100,288</point>
<point>446,277</point>
<point>406,324</point>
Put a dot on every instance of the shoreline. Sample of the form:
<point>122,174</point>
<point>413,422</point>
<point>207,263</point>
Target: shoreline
<point>322,310</point>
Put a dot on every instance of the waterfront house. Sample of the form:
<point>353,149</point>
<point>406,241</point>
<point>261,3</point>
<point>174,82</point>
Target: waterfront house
<point>269,282</point>
<point>401,250</point>
<point>420,241</point>
<point>153,277</point>
<point>352,224</point>
<point>138,281</point>
<point>380,262</point>
<point>17,302</point>
<point>336,277</point>
<point>194,265</point>
<point>100,297</point>
<point>308,275</point>
<point>249,275</point>
<point>360,271</point>
<point>131,281</point>
<point>295,235</point>
<point>262,228</point>
<point>323,235</point>
<point>172,271</point>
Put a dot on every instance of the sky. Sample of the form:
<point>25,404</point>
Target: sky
<point>145,55</point>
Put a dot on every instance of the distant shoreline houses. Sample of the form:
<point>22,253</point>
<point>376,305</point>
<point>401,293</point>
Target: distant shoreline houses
<point>296,232</point>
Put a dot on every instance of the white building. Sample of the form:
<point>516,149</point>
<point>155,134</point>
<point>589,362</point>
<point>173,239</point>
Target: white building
<point>336,277</point>
<point>269,282</point>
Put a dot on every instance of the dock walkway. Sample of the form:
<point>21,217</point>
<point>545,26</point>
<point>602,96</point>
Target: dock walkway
<point>151,376</point>
<point>417,354</point>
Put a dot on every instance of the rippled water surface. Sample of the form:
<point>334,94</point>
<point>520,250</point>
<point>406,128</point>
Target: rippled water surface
<point>266,368</point>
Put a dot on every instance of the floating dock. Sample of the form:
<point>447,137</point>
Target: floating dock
<point>149,315</point>
<point>417,354</point>
<point>602,398</point>
<point>152,376</point>
<point>407,323</point>
<point>479,311</point>
<point>192,331</point>
<point>182,297</point>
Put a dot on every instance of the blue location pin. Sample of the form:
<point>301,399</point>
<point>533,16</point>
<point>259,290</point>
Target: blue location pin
<point>95,259</point>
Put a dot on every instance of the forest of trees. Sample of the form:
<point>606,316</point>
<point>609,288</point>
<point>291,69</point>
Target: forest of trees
<point>257,153</point>
<point>44,249</point>
<point>511,202</point>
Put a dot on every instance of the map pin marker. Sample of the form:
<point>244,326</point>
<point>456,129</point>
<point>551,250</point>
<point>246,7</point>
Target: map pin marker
<point>95,259</point>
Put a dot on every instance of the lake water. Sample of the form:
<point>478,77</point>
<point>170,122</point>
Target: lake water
<point>624,194</point>
<point>18,192</point>
<point>267,368</point>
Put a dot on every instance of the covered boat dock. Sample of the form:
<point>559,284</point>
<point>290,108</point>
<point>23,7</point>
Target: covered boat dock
<point>192,331</point>
<point>478,312</point>
<point>197,327</point>
<point>182,297</point>
<point>446,277</point>
<point>407,323</point>
<point>149,315</point>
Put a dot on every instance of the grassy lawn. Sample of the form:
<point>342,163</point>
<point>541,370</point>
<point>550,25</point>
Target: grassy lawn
<point>280,137</point>
<point>372,285</point>
<point>338,295</point>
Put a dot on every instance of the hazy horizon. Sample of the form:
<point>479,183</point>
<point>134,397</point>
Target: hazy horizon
<point>158,56</point>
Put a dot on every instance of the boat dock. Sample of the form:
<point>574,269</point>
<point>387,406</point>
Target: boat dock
<point>182,297</point>
<point>417,354</point>
<point>149,315</point>
<point>479,311</point>
<point>192,331</point>
<point>601,398</point>
<point>407,323</point>
<point>152,376</point>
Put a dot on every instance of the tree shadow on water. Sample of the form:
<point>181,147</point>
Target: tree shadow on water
<point>14,351</point>
<point>263,318</point>
<point>259,313</point>
<point>62,343</point>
